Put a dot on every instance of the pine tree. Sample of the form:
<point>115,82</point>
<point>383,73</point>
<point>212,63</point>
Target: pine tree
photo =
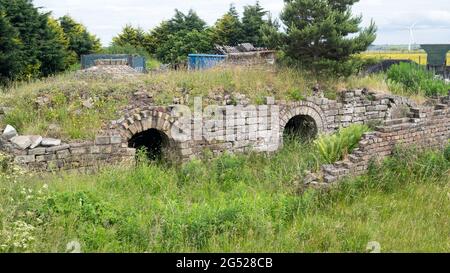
<point>228,29</point>
<point>53,48</point>
<point>157,37</point>
<point>27,20</point>
<point>253,22</point>
<point>81,42</point>
<point>44,43</point>
<point>320,30</point>
<point>11,55</point>
<point>181,35</point>
<point>271,37</point>
<point>186,22</point>
<point>179,45</point>
<point>130,36</point>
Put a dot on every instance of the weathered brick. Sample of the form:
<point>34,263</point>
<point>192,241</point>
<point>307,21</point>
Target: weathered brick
<point>270,100</point>
<point>24,159</point>
<point>76,151</point>
<point>41,158</point>
<point>63,154</point>
<point>94,149</point>
<point>116,139</point>
<point>105,149</point>
<point>57,148</point>
<point>37,151</point>
<point>102,140</point>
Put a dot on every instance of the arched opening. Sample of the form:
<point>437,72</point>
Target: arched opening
<point>301,127</point>
<point>153,142</point>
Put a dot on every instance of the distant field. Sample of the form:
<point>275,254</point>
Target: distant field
<point>418,57</point>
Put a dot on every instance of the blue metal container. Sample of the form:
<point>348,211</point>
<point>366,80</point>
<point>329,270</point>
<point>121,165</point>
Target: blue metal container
<point>136,62</point>
<point>204,61</point>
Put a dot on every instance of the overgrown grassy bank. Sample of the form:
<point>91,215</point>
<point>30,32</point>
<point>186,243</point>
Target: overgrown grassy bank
<point>54,106</point>
<point>232,203</point>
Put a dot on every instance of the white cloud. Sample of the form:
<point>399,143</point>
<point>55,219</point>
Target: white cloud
<point>106,18</point>
<point>393,17</point>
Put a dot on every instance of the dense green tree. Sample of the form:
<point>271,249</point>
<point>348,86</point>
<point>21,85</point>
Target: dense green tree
<point>182,43</point>
<point>53,48</point>
<point>38,45</point>
<point>157,36</point>
<point>28,22</point>
<point>252,24</point>
<point>228,29</point>
<point>11,55</point>
<point>135,37</point>
<point>185,22</point>
<point>44,45</point>
<point>271,37</point>
<point>130,36</point>
<point>181,35</point>
<point>324,30</point>
<point>80,40</point>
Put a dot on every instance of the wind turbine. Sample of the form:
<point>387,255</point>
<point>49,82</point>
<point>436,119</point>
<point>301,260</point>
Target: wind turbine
<point>412,40</point>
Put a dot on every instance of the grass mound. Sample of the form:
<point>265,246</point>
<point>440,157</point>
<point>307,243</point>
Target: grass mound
<point>72,106</point>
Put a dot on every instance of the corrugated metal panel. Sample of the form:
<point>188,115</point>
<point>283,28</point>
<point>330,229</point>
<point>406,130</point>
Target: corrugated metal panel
<point>138,63</point>
<point>437,54</point>
<point>204,61</point>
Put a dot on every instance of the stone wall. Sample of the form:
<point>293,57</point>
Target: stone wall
<point>256,58</point>
<point>424,128</point>
<point>247,128</point>
<point>359,106</point>
<point>83,156</point>
<point>258,128</point>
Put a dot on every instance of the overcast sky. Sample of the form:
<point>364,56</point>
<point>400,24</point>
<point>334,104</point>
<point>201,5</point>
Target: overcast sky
<point>106,18</point>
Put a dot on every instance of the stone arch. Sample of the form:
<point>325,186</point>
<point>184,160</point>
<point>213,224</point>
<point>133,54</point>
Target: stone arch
<point>297,114</point>
<point>152,125</point>
<point>301,127</point>
<point>155,142</point>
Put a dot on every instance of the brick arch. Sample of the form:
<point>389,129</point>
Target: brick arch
<point>152,119</point>
<point>303,108</point>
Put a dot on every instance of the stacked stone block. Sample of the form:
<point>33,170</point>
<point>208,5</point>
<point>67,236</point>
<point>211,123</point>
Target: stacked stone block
<point>258,128</point>
<point>79,156</point>
<point>424,128</point>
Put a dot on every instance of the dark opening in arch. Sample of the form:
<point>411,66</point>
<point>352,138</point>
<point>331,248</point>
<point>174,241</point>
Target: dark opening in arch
<point>301,127</point>
<point>154,142</point>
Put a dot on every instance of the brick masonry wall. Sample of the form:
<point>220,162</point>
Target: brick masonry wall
<point>257,128</point>
<point>424,128</point>
<point>84,156</point>
<point>228,128</point>
<point>359,106</point>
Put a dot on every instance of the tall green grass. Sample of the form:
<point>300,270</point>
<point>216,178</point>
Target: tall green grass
<point>234,203</point>
<point>413,79</point>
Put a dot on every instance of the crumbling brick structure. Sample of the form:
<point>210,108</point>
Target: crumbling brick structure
<point>260,128</point>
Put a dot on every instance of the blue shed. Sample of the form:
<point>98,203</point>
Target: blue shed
<point>204,61</point>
